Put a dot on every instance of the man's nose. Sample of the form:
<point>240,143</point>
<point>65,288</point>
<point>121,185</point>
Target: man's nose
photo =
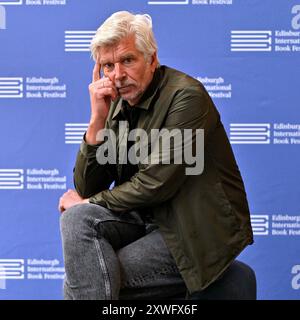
<point>120,73</point>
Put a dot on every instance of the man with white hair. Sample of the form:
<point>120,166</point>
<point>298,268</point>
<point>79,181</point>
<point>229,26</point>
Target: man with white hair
<point>159,231</point>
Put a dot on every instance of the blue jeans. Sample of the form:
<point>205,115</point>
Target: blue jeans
<point>110,255</point>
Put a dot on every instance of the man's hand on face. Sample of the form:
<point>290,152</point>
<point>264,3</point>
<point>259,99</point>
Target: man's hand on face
<point>70,199</point>
<point>102,91</point>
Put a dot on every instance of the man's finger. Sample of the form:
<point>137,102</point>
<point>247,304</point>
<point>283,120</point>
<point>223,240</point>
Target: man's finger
<point>96,72</point>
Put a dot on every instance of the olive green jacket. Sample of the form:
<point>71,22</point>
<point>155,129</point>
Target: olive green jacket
<point>204,218</point>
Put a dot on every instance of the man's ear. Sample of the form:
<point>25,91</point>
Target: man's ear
<point>153,61</point>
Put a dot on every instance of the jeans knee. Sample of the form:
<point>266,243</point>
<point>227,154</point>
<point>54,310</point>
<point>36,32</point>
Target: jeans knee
<point>80,217</point>
<point>72,218</point>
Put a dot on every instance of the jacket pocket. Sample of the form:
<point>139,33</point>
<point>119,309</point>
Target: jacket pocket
<point>226,210</point>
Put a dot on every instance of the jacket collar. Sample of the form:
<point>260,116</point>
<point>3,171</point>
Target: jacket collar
<point>147,97</point>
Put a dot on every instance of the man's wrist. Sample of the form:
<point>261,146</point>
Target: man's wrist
<point>93,130</point>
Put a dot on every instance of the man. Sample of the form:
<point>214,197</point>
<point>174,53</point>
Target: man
<point>159,230</point>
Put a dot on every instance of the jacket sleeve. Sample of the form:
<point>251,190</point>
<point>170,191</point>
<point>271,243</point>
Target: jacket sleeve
<point>156,183</point>
<point>89,176</point>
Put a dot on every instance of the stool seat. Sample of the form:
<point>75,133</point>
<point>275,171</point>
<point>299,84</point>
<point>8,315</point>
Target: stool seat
<point>237,283</point>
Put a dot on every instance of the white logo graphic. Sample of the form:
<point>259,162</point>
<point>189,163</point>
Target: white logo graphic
<point>296,19</point>
<point>78,40</point>
<point>34,269</point>
<point>280,225</point>
<point>32,179</point>
<point>260,224</point>
<point>193,2</point>
<point>74,132</point>
<point>2,18</point>
<point>32,87</point>
<point>12,2</point>
<point>2,281</point>
<point>251,40</point>
<point>250,133</point>
<point>296,279</point>
<point>11,269</point>
<point>11,88</point>
<point>168,2</point>
<point>11,179</point>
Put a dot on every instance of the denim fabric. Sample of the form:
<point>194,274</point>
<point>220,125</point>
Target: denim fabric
<point>110,255</point>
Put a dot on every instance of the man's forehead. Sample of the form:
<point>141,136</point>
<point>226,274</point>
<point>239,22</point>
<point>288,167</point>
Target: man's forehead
<point>122,48</point>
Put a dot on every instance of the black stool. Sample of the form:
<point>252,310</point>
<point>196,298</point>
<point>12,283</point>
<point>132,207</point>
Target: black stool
<point>237,283</point>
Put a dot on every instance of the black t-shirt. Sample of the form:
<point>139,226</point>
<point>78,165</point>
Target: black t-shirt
<point>131,114</point>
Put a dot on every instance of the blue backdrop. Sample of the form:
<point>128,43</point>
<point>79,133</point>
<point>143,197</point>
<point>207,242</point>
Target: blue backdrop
<point>246,53</point>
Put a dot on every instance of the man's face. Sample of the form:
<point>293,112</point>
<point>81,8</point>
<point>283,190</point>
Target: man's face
<point>127,68</point>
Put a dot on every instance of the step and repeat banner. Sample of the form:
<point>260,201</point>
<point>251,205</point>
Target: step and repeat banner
<point>245,52</point>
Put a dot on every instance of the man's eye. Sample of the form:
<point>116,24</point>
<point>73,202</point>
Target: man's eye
<point>108,66</point>
<point>128,60</point>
